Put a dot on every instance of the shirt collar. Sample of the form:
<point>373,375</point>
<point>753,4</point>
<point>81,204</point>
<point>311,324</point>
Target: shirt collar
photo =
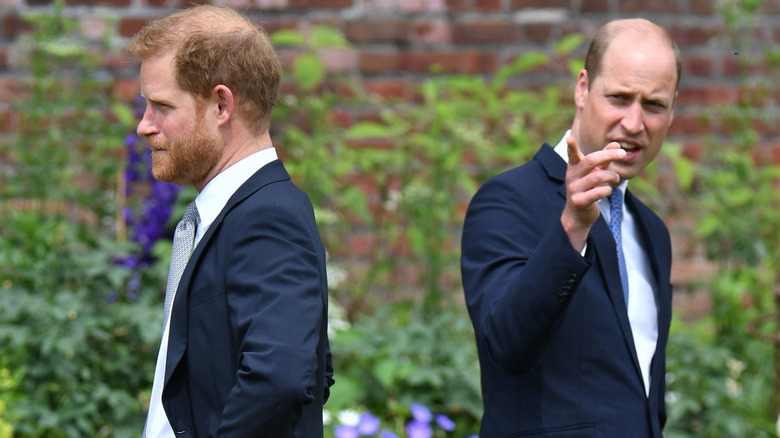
<point>213,198</point>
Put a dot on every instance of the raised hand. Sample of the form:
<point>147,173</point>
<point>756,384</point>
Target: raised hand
<point>588,179</point>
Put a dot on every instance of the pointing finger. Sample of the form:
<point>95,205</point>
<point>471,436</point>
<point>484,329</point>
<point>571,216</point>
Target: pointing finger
<point>575,155</point>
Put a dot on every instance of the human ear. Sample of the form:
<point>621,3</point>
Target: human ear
<point>581,89</point>
<point>225,105</point>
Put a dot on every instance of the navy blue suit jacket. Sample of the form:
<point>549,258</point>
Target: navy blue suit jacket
<point>248,351</point>
<point>556,352</point>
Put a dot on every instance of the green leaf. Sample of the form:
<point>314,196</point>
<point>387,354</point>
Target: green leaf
<point>123,113</point>
<point>288,37</point>
<point>362,130</point>
<point>521,64</point>
<point>326,36</point>
<point>568,44</point>
<point>308,71</point>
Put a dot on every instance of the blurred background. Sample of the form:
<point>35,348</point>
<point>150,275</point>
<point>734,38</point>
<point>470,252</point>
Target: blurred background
<point>393,113</point>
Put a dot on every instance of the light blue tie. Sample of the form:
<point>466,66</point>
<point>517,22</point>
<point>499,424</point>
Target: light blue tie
<point>616,218</point>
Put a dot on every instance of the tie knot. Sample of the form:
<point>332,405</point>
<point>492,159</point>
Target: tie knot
<point>190,214</point>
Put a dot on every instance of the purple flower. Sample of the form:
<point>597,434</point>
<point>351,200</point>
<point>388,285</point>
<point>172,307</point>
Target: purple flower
<point>419,429</point>
<point>112,298</point>
<point>445,423</point>
<point>421,413</point>
<point>131,140</point>
<point>387,434</point>
<point>346,432</point>
<point>368,424</point>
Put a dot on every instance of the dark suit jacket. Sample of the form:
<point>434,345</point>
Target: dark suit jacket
<point>248,350</point>
<point>555,347</point>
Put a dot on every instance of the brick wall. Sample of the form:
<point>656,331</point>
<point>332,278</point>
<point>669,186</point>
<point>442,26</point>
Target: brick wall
<point>396,42</point>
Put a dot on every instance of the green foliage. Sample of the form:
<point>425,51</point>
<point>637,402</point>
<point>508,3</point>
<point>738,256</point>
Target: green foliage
<point>396,357</point>
<point>79,364</point>
<point>7,395</point>
<point>735,200</point>
<point>711,389</point>
<point>403,179</point>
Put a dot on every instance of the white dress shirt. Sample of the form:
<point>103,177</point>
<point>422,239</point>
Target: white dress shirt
<point>642,309</point>
<point>210,202</point>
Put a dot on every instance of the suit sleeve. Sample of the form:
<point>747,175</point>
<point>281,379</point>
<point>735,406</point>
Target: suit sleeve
<point>275,298</point>
<point>519,270</point>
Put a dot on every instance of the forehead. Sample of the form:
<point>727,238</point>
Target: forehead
<point>158,81</point>
<point>647,64</point>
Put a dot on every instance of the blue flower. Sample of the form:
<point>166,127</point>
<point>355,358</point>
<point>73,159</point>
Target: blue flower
<point>419,429</point>
<point>368,424</point>
<point>387,434</point>
<point>346,432</point>
<point>445,423</point>
<point>421,413</point>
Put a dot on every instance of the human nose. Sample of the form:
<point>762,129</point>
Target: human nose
<point>633,119</point>
<point>146,126</point>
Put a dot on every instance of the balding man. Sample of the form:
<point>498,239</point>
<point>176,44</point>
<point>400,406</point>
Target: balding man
<point>244,351</point>
<point>566,273</point>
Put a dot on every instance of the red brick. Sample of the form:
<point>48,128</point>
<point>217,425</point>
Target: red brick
<point>13,26</point>
<point>276,25</point>
<point>698,65</point>
<point>540,4</point>
<point>457,5</point>
<point>776,153</point>
<point>373,62</point>
<point>417,6</point>
<point>488,5</point>
<point>425,62</point>
<point>693,150</point>
<point>594,6</point>
<point>130,26</point>
<point>434,31</point>
<point>703,7</point>
<point>387,88</point>
<point>5,52</point>
<point>672,6</point>
<point>319,4</point>
<point>769,127</point>
<point>377,31</point>
<point>688,124</point>
<point>731,65</point>
<point>484,32</point>
<point>126,90</point>
<point>12,90</point>
<point>108,3</point>
<point>337,60</point>
<point>538,32</point>
<point>705,95</point>
<point>479,62</point>
<point>694,35</point>
<point>9,121</point>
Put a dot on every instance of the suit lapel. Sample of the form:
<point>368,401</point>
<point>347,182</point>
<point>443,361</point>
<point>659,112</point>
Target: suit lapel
<point>603,244</point>
<point>606,254</point>
<point>177,338</point>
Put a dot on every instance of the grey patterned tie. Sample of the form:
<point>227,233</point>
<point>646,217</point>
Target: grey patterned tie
<point>183,239</point>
